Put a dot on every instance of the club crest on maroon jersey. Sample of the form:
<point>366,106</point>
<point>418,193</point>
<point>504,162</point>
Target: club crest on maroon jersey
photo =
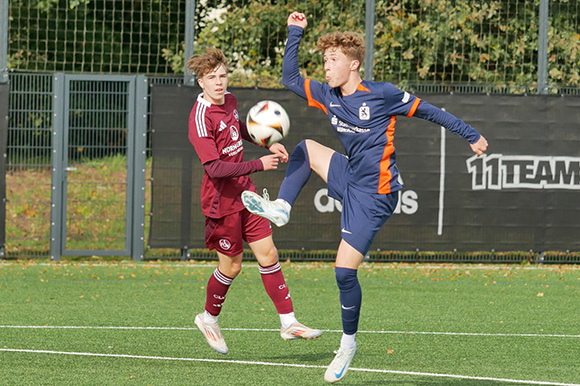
<point>234,133</point>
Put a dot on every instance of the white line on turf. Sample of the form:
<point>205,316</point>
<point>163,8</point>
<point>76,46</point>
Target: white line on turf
<point>277,330</point>
<point>259,363</point>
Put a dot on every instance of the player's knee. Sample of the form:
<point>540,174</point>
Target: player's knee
<point>267,257</point>
<point>273,254</point>
<point>234,269</point>
<point>301,150</point>
<point>230,267</point>
<point>345,278</point>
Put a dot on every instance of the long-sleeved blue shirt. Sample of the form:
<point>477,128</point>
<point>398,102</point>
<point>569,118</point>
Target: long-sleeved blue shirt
<point>365,120</point>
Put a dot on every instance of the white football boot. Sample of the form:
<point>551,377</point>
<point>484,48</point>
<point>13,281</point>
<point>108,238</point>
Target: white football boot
<point>340,364</point>
<point>212,334</point>
<point>299,331</point>
<point>263,207</point>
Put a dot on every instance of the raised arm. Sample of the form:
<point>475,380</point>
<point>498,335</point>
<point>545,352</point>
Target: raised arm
<point>291,77</point>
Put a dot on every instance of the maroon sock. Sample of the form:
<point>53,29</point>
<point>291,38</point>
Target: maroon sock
<point>217,287</point>
<point>276,288</point>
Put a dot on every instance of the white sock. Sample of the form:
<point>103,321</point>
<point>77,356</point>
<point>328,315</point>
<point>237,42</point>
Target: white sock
<point>209,318</point>
<point>348,341</point>
<point>287,319</point>
<point>285,204</point>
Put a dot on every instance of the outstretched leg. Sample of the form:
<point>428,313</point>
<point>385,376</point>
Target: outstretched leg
<point>297,174</point>
<point>308,155</point>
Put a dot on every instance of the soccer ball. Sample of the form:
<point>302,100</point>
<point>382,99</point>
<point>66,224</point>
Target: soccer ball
<point>267,123</point>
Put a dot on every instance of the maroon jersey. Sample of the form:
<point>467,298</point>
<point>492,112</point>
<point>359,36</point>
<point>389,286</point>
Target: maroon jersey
<point>216,134</point>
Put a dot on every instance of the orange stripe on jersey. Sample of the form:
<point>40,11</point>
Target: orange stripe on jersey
<point>311,101</point>
<point>360,87</point>
<point>385,176</point>
<point>414,107</point>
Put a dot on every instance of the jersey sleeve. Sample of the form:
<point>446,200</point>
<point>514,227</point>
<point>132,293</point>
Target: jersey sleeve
<point>245,133</point>
<point>448,121</point>
<point>399,102</point>
<point>308,89</point>
<point>201,135</point>
<point>291,77</point>
<point>222,169</point>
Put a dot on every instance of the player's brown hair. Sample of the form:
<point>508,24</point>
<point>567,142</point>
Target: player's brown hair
<point>202,64</point>
<point>349,43</point>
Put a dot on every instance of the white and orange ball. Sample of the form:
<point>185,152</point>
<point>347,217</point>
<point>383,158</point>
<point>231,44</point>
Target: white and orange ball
<point>267,123</point>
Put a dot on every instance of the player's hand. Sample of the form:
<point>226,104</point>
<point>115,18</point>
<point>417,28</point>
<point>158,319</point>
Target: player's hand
<point>297,19</point>
<point>279,150</point>
<point>270,162</point>
<point>480,146</point>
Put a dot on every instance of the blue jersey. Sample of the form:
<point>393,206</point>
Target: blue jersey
<point>365,120</point>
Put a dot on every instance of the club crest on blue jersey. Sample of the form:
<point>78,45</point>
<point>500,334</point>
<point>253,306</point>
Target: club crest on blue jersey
<point>364,112</point>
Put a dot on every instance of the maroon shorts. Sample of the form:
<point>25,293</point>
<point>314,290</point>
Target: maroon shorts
<point>227,234</point>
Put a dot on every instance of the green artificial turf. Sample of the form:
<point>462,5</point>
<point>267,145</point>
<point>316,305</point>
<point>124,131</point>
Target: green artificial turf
<point>126,323</point>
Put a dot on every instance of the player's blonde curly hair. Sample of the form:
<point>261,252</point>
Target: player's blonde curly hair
<point>349,43</point>
<point>202,64</point>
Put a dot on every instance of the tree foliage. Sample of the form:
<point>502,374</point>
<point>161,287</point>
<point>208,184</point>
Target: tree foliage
<point>415,41</point>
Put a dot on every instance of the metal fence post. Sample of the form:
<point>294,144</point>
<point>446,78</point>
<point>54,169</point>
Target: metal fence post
<point>3,41</point>
<point>56,195</point>
<point>543,47</point>
<point>369,39</point>
<point>139,165</point>
<point>4,123</point>
<point>188,77</point>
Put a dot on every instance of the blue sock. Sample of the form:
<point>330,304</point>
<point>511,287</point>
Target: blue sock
<point>297,174</point>
<point>350,298</point>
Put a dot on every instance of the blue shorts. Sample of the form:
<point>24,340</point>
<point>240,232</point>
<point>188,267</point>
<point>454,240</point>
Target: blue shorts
<point>363,213</point>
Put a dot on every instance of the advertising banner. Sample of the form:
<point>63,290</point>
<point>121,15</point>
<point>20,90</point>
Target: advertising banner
<point>522,195</point>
